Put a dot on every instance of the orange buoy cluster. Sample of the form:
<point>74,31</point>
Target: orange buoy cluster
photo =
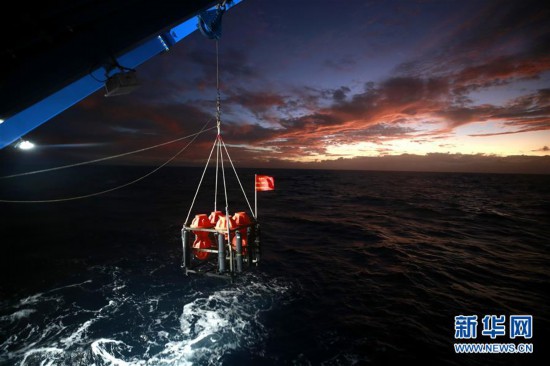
<point>202,238</point>
<point>219,222</point>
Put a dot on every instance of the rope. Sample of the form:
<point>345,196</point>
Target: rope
<point>238,180</point>
<point>216,184</point>
<point>200,183</point>
<point>118,187</point>
<point>108,157</point>
<point>218,122</point>
<point>218,98</point>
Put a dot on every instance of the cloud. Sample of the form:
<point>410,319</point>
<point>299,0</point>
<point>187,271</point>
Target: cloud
<point>257,102</point>
<point>382,110</point>
<point>438,162</point>
<point>514,30</point>
<point>482,53</point>
<point>447,145</point>
<point>340,94</point>
<point>389,110</point>
<point>400,90</point>
<point>457,116</point>
<point>526,113</point>
<point>498,72</point>
<point>542,149</point>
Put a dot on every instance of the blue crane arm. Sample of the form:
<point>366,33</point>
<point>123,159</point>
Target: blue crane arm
<point>19,124</point>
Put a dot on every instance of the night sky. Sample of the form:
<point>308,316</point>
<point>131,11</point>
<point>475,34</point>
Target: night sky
<point>397,85</point>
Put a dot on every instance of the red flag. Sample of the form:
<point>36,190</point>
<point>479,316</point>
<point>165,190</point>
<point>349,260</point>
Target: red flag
<point>264,183</point>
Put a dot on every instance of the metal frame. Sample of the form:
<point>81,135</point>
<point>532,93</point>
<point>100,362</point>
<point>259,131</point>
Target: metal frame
<point>229,262</point>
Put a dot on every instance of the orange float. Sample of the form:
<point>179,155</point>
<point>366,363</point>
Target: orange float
<point>202,238</point>
<point>215,216</point>
<point>221,225</point>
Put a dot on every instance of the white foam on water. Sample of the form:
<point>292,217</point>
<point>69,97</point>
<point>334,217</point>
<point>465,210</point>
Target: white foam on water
<point>147,330</point>
<point>48,356</point>
<point>163,334</point>
<point>224,321</point>
<point>35,299</point>
<point>47,336</point>
<point>32,340</point>
<point>77,336</point>
<point>99,349</point>
<point>20,314</point>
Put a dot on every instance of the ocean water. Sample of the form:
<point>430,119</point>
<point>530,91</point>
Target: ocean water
<point>358,268</point>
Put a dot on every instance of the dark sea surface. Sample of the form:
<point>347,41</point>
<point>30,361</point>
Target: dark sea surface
<point>358,268</point>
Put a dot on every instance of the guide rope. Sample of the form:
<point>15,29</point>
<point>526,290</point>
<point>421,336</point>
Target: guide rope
<point>108,157</point>
<point>195,135</point>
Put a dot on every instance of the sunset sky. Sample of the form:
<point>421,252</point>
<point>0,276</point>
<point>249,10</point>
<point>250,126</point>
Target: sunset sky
<point>400,85</point>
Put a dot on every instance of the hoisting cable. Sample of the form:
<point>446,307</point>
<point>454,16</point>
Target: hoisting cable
<point>195,135</point>
<point>108,157</point>
<point>218,124</point>
<point>218,98</point>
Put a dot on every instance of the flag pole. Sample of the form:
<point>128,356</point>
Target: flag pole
<point>255,198</point>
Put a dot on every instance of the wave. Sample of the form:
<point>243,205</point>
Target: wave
<point>133,328</point>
